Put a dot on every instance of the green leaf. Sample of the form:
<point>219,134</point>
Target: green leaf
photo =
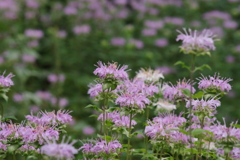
<point>202,67</point>
<point>94,107</point>
<point>199,131</point>
<point>199,94</point>
<point>9,118</point>
<point>186,92</point>
<point>183,64</point>
<point>4,96</point>
<point>236,125</point>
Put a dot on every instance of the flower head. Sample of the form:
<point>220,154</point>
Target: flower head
<point>149,75</point>
<point>63,150</point>
<point>175,92</point>
<point>214,83</point>
<point>6,81</point>
<point>112,70</point>
<point>162,104</point>
<point>196,43</point>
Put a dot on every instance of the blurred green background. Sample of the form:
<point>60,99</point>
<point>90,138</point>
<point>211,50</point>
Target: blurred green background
<point>52,47</point>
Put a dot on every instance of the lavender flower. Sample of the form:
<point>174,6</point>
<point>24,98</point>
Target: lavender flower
<point>196,43</point>
<point>50,118</point>
<point>111,69</point>
<point>99,149</point>
<point>118,120</point>
<point>207,107</point>
<point>175,92</point>
<point>214,83</point>
<point>63,150</point>
<point>6,81</point>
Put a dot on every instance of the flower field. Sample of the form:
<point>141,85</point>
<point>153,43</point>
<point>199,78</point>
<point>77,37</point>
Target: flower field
<point>119,79</point>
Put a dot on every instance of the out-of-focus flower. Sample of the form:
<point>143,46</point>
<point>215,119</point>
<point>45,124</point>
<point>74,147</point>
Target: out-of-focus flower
<point>28,58</point>
<point>162,42</point>
<point>88,130</point>
<point>154,24</point>
<point>230,24</point>
<point>137,43</point>
<point>63,102</point>
<point>230,59</point>
<point>18,97</point>
<point>149,75</point>
<point>195,43</point>
<point>166,70</point>
<point>33,43</point>
<point>32,4</point>
<point>149,32</point>
<point>63,150</point>
<point>118,41</point>
<point>164,105</point>
<point>83,29</point>
<point>34,33</point>
<point>61,34</point>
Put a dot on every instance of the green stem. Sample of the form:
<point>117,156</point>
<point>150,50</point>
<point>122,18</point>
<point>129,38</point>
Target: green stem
<point>14,156</point>
<point>129,136</point>
<point>2,111</point>
<point>190,112</point>
<point>146,137</point>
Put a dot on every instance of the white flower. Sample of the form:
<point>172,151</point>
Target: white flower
<point>149,75</point>
<point>164,105</point>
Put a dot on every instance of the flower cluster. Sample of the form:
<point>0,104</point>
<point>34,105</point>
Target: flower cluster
<point>149,75</point>
<point>175,92</point>
<point>63,150</point>
<point>207,107</point>
<point>50,118</point>
<point>195,43</point>
<point>111,70</point>
<point>101,148</point>
<point>214,84</point>
<point>164,127</point>
<point>117,119</point>
<point>6,81</point>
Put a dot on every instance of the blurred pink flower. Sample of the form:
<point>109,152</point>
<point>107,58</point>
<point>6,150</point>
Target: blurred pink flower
<point>166,70</point>
<point>154,24</point>
<point>28,58</point>
<point>32,4</point>
<point>34,109</point>
<point>149,32</point>
<point>230,59</point>
<point>230,24</point>
<point>45,95</point>
<point>52,78</point>
<point>33,43</point>
<point>162,42</point>
<point>238,48</point>
<point>121,2</point>
<point>30,15</point>
<point>118,41</point>
<point>88,130</point>
<point>35,33</point>
<point>17,97</point>
<point>63,102</point>
<point>83,29</point>
<point>137,43</point>
<point>231,94</point>
<point>1,59</point>
<point>61,34</point>
<point>70,10</point>
<point>174,20</point>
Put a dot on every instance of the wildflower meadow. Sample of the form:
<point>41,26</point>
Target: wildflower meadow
<point>119,79</point>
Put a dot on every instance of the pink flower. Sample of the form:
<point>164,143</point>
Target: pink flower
<point>88,130</point>
<point>215,82</point>
<point>118,41</point>
<point>113,69</point>
<point>83,29</point>
<point>192,41</point>
<point>63,150</point>
<point>34,33</point>
<point>162,42</point>
<point>28,58</point>
<point>149,32</point>
<point>6,81</point>
<point>174,92</point>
